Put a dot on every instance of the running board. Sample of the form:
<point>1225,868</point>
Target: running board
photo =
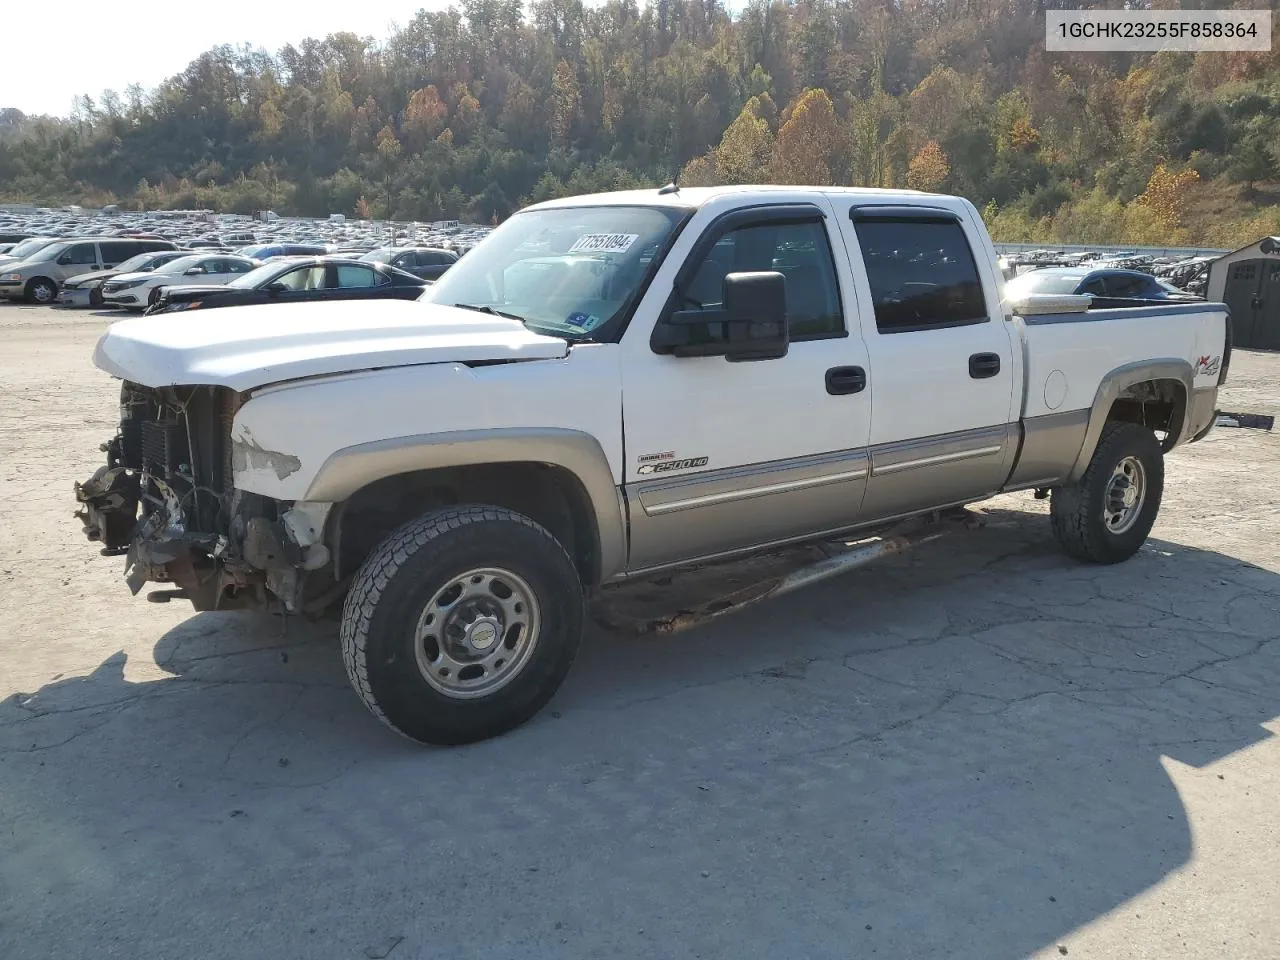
<point>626,606</point>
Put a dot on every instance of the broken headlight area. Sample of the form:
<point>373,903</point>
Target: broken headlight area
<point>165,499</point>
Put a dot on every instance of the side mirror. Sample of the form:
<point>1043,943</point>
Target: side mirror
<point>195,271</point>
<point>64,260</point>
<point>755,306</point>
<point>751,325</point>
<point>276,287</point>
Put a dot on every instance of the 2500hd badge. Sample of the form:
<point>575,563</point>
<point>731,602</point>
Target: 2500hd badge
<point>669,465</point>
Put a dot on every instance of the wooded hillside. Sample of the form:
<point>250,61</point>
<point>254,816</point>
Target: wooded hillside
<point>477,110</point>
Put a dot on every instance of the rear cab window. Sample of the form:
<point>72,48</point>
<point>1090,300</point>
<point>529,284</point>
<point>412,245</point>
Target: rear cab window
<point>920,269</point>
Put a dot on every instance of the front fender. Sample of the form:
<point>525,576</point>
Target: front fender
<point>352,468</point>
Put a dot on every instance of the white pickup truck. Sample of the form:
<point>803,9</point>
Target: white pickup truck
<point>612,385</point>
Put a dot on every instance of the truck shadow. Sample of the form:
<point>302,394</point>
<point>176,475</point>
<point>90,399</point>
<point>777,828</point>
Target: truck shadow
<point>962,752</point>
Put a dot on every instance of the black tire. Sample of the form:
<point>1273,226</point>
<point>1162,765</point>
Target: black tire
<point>41,290</point>
<point>400,578</point>
<point>152,297</point>
<point>1078,510</point>
<point>95,295</point>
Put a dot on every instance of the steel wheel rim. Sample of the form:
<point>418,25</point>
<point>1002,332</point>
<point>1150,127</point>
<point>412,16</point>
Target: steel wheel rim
<point>476,633</point>
<point>42,293</point>
<point>1125,494</point>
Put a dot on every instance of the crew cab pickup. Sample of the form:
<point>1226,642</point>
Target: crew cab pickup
<point>613,385</point>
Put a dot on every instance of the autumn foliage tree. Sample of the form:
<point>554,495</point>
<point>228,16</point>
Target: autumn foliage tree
<point>928,168</point>
<point>808,143</point>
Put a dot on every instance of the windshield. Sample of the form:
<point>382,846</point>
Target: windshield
<point>379,256</point>
<point>564,271</point>
<point>257,276</point>
<point>1042,281</point>
<point>143,262</point>
<point>28,247</point>
<point>256,251</point>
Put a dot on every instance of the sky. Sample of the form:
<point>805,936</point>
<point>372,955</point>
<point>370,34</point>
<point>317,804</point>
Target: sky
<point>96,46</point>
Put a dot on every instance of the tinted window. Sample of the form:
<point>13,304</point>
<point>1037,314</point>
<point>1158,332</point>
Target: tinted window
<point>1094,286</point>
<point>80,253</point>
<point>1124,285</point>
<point>351,276</point>
<point>237,266</point>
<point>922,274</point>
<point>799,251</point>
<point>116,251</point>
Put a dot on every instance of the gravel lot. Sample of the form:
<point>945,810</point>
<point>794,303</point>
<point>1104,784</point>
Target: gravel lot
<point>978,751</point>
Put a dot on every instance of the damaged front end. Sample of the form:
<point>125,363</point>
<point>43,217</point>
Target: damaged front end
<point>166,500</point>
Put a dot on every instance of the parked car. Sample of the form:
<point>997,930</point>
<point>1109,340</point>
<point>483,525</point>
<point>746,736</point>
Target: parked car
<point>429,263</point>
<point>38,278</point>
<point>462,468</point>
<point>85,290</point>
<point>1106,284</point>
<point>137,291</point>
<point>266,251</point>
<point>25,248</point>
<point>296,279</point>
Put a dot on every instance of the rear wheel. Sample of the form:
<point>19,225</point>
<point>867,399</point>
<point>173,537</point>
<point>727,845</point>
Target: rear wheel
<point>462,624</point>
<point>42,290</point>
<point>1106,516</point>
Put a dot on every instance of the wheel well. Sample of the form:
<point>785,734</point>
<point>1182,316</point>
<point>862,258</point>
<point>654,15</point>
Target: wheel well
<point>1159,405</point>
<point>550,495</point>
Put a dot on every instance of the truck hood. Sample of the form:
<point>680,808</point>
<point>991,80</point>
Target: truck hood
<point>246,347</point>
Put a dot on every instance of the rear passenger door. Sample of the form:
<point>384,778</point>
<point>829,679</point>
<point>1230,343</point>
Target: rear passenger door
<point>355,281</point>
<point>942,369</point>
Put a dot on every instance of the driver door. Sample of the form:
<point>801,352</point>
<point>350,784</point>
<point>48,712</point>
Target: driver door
<point>724,456</point>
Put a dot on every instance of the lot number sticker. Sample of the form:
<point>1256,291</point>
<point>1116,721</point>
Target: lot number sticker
<point>604,243</point>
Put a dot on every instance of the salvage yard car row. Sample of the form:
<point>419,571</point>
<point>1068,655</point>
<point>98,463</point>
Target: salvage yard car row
<point>79,261</point>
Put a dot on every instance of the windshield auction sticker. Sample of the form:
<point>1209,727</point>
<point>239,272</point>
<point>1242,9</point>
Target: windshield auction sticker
<point>604,243</point>
<point>1195,31</point>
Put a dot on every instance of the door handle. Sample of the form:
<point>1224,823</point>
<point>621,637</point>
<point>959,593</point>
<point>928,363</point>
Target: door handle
<point>984,365</point>
<point>843,380</point>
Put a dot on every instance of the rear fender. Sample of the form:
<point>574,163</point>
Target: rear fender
<point>1110,390</point>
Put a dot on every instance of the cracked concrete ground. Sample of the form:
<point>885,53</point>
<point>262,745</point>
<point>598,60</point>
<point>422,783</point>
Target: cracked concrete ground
<point>981,750</point>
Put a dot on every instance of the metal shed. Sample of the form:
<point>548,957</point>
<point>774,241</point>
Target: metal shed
<point>1248,281</point>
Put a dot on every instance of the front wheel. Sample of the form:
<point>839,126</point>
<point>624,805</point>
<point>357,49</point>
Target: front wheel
<point>42,291</point>
<point>1106,516</point>
<point>462,624</point>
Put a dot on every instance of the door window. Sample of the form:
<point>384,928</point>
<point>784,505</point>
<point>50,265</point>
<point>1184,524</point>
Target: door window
<point>922,274</point>
<point>303,278</point>
<point>351,277</point>
<point>1094,287</point>
<point>80,254</point>
<point>1122,285</point>
<point>799,251</point>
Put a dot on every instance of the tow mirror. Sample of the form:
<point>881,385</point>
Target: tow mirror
<point>751,324</point>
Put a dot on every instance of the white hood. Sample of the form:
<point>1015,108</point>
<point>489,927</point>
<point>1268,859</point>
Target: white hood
<point>245,347</point>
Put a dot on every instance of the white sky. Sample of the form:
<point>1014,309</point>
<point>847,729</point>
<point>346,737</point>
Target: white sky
<point>53,54</point>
